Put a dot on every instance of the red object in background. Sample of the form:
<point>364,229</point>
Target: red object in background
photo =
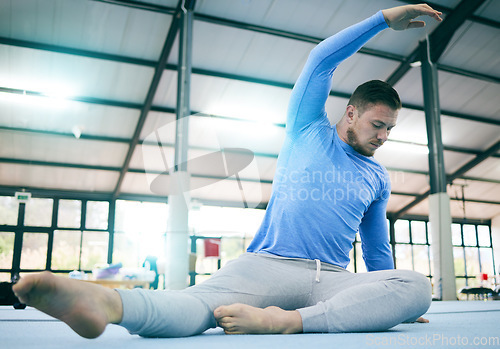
<point>484,277</point>
<point>212,247</point>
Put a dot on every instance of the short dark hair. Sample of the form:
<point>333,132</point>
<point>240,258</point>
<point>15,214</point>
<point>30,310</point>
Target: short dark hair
<point>375,92</point>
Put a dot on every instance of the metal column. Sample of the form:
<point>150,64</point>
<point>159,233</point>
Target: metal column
<point>177,257</point>
<point>439,201</point>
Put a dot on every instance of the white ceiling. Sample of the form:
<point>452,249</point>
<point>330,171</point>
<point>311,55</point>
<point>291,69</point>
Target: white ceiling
<point>94,62</point>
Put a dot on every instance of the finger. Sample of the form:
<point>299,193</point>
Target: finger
<point>429,11</point>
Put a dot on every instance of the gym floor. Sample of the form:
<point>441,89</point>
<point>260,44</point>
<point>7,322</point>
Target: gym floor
<point>457,324</point>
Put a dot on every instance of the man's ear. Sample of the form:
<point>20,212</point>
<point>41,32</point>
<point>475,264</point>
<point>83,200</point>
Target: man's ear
<point>350,113</point>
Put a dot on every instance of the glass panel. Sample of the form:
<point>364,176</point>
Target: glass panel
<point>360,262</point>
<point>126,214</point>
<point>4,277</point>
<point>403,257</point>
<point>429,233</point>
<point>70,214</point>
<point>125,250</point>
<point>421,258</point>
<point>6,249</point>
<point>470,235</point>
<point>38,212</point>
<point>402,230</point>
<point>9,210</point>
<point>136,217</point>
<point>456,234</point>
<point>155,214</point>
<point>34,251</point>
<point>483,234</point>
<point>97,215</point>
<point>94,249</point>
<point>418,232</point>
<point>486,255</point>
<point>144,225</point>
<point>472,259</point>
<point>66,250</point>
<point>231,248</point>
<point>459,260</point>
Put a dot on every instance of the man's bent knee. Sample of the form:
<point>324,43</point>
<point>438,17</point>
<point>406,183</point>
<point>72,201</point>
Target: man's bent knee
<point>419,293</point>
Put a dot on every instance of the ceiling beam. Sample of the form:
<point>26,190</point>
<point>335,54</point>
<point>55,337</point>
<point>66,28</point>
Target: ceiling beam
<point>76,52</point>
<point>458,115</point>
<point>439,38</point>
<point>450,178</point>
<point>476,201</point>
<point>141,6</point>
<point>58,164</point>
<point>159,69</point>
<point>118,169</point>
<point>474,162</point>
<point>108,196</point>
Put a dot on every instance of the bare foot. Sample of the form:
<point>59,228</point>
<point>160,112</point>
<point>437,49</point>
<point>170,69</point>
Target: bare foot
<point>422,320</point>
<point>245,319</point>
<point>87,308</point>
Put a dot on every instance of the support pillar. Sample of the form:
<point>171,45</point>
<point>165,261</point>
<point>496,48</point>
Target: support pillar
<point>176,249</point>
<point>495,243</point>
<point>439,201</point>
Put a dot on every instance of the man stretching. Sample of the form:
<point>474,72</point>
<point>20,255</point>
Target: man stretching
<point>327,188</point>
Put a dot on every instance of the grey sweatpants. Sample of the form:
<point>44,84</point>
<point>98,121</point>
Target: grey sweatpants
<point>328,298</point>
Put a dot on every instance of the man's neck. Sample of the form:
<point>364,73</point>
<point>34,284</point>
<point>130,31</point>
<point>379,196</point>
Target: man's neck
<point>342,131</point>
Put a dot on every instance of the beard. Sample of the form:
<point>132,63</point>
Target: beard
<point>353,141</point>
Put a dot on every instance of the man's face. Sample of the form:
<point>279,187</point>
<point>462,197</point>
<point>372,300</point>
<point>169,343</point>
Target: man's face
<point>369,130</point>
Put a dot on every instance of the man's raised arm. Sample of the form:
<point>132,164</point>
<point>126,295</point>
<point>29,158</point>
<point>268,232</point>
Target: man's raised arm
<point>309,95</point>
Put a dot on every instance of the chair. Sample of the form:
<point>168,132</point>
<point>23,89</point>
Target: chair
<point>151,263</point>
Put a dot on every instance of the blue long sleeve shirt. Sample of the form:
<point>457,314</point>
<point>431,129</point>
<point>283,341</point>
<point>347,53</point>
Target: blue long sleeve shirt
<point>324,192</point>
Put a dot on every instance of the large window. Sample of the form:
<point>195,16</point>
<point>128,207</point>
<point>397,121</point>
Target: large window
<point>51,233</point>
<point>472,250</point>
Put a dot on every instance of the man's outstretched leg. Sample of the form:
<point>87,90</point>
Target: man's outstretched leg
<point>87,308</point>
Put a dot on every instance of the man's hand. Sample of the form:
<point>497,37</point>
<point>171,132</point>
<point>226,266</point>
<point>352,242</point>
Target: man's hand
<point>401,17</point>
